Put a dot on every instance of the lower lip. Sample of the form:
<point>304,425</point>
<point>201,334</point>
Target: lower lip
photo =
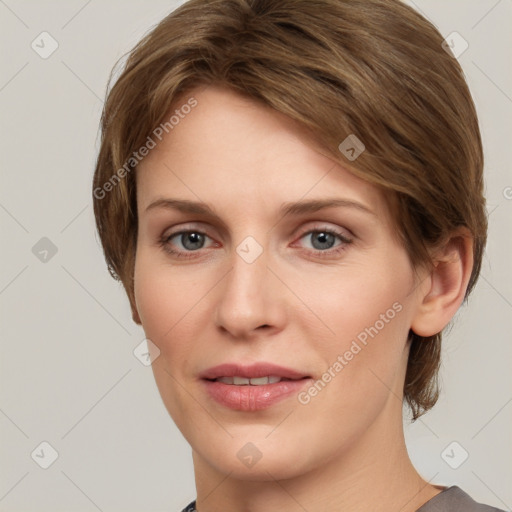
<point>253,398</point>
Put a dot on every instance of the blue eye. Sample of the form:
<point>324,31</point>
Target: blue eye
<point>191,240</point>
<point>322,240</point>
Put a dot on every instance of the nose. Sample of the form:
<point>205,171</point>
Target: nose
<point>250,299</point>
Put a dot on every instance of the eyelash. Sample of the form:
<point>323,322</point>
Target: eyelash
<point>164,242</point>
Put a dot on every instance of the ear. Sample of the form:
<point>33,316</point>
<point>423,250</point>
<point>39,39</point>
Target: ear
<point>444,288</point>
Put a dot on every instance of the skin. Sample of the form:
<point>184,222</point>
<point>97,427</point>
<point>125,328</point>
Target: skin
<point>345,449</point>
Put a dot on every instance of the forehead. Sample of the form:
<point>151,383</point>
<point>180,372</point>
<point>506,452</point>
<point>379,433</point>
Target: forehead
<point>231,150</point>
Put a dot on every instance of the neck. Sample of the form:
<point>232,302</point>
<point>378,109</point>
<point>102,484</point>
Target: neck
<point>375,473</point>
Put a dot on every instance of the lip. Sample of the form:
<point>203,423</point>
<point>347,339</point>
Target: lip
<point>254,370</point>
<point>249,397</point>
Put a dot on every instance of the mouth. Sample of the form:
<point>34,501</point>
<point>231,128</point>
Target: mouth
<point>252,387</point>
<point>254,381</point>
<point>251,372</point>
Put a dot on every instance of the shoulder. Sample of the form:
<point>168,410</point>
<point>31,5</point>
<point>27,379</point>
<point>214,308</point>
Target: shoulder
<point>454,499</point>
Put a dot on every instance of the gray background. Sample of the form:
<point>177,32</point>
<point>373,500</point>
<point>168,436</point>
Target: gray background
<point>68,373</point>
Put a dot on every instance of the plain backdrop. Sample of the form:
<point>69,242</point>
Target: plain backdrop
<point>69,377</point>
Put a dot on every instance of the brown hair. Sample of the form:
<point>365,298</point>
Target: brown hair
<point>372,68</point>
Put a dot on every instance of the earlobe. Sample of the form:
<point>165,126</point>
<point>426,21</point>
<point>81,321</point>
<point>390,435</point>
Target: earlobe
<point>449,278</point>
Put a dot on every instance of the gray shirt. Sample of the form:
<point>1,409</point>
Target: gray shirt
<point>454,499</point>
<point>451,499</point>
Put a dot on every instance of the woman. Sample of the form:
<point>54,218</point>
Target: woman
<point>291,193</point>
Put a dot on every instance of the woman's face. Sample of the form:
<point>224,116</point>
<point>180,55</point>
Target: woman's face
<point>325,294</point>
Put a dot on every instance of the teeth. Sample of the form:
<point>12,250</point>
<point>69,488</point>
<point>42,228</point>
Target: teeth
<point>244,381</point>
<point>225,380</point>
<point>240,381</point>
<point>258,382</point>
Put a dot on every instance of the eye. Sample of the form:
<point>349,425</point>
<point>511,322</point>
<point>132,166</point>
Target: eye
<point>323,239</point>
<point>190,240</point>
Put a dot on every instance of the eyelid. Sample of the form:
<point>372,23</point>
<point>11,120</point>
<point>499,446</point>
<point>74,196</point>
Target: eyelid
<point>325,226</point>
<point>319,226</point>
<point>196,226</point>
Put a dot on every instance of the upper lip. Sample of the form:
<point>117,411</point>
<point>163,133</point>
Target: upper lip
<point>249,371</point>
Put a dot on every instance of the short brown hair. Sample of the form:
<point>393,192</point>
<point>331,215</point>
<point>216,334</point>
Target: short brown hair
<point>372,68</point>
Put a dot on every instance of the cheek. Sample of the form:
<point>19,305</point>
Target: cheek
<point>352,301</point>
<point>366,315</point>
<point>163,300</point>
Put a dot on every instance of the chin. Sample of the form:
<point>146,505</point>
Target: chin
<point>256,458</point>
<point>278,466</point>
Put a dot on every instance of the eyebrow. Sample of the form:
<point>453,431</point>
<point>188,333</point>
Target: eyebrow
<point>297,208</point>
